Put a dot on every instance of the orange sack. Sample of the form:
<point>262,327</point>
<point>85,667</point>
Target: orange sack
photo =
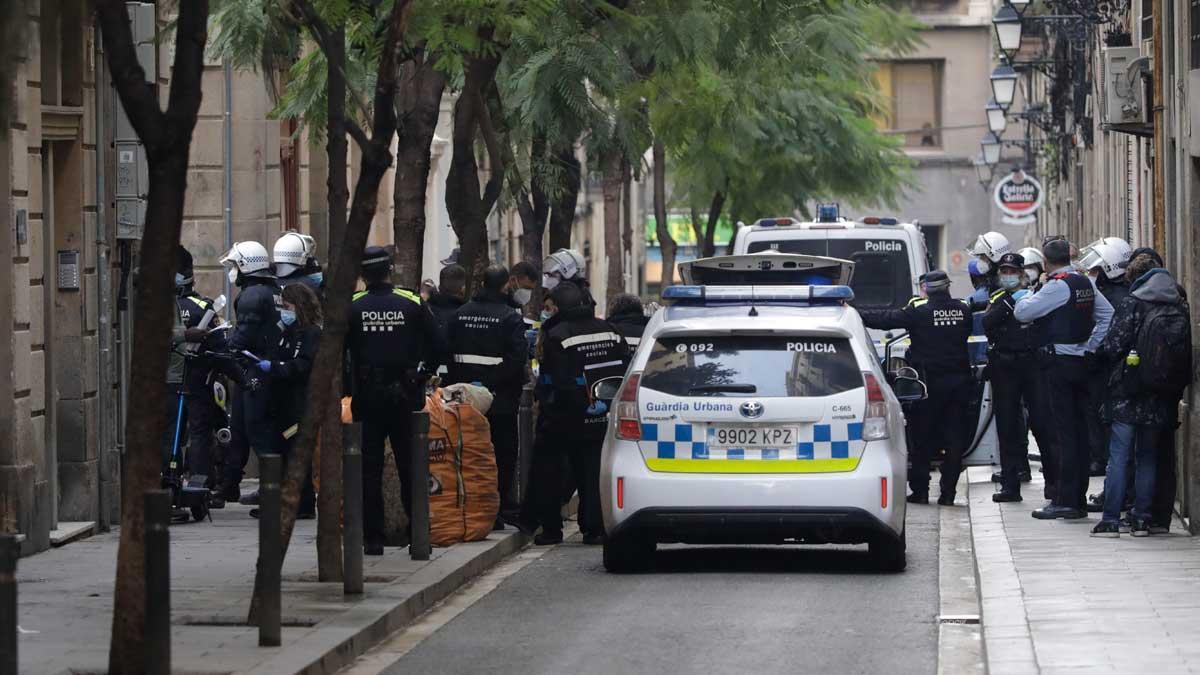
<point>463,496</point>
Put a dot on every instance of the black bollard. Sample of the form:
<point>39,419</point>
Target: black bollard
<point>352,509</point>
<point>524,443</point>
<point>158,582</point>
<point>418,544</point>
<point>270,550</point>
<point>10,550</point>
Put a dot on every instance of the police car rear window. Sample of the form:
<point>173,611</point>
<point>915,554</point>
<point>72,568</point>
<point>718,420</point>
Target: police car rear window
<point>882,276</point>
<point>745,365</point>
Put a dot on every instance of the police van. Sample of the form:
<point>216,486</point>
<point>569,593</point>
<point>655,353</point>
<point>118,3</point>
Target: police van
<point>756,410</point>
<point>888,256</point>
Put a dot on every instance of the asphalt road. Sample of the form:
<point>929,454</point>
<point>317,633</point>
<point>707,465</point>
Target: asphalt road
<point>703,610</point>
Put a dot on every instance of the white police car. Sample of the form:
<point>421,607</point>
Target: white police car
<point>755,414</point>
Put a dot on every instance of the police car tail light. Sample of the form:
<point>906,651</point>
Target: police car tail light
<point>629,426</point>
<point>875,423</point>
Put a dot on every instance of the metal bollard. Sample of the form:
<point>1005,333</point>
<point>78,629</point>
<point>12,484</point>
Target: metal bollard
<point>10,550</point>
<point>352,509</point>
<point>524,443</point>
<point>158,581</point>
<point>270,550</point>
<point>418,543</point>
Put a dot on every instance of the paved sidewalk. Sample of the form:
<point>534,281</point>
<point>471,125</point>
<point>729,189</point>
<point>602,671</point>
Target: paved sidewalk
<point>65,599</point>
<point>1056,600</point>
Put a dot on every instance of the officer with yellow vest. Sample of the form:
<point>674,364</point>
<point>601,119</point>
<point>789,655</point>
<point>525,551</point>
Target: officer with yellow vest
<point>390,343</point>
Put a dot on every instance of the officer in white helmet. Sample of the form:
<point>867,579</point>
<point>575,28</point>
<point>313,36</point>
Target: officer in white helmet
<point>988,249</point>
<point>563,265</point>
<point>1104,260</point>
<point>1035,267</point>
<point>295,258</point>
<point>257,330</point>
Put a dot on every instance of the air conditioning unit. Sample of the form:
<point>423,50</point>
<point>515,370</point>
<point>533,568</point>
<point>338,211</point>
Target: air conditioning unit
<point>1126,105</point>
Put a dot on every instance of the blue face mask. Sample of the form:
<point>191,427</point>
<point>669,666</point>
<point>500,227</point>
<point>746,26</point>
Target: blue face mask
<point>180,280</point>
<point>546,315</point>
<point>1010,281</point>
<point>317,278</point>
<point>287,316</point>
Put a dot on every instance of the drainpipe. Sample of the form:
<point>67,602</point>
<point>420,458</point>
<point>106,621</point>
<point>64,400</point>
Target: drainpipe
<point>228,168</point>
<point>104,313</point>
<point>1159,234</point>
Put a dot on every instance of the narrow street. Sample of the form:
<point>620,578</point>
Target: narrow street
<point>719,610</point>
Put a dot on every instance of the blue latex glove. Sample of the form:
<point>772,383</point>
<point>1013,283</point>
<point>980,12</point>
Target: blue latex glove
<point>597,408</point>
<point>264,366</point>
<point>1020,294</point>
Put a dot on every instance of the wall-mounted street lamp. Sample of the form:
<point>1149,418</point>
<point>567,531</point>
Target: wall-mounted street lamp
<point>991,145</point>
<point>996,118</point>
<point>1007,24</point>
<point>1004,84</point>
<point>985,172</point>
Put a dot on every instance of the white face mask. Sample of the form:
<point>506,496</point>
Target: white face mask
<point>984,265</point>
<point>522,296</point>
<point>549,281</point>
<point>232,275</point>
<point>1031,273</point>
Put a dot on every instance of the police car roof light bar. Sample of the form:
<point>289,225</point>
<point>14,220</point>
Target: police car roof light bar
<point>775,222</point>
<point>712,295</point>
<point>876,220</point>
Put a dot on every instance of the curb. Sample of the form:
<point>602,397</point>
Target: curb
<point>1008,644</point>
<point>960,640</point>
<point>335,643</point>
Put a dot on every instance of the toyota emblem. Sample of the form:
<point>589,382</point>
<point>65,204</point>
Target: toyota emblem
<point>752,409</point>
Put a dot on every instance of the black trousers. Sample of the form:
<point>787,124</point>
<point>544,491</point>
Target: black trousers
<point>1162,506</point>
<point>1016,390</point>
<point>1098,432</point>
<point>556,449</point>
<point>1068,383</point>
<point>395,428</point>
<point>202,417</point>
<point>941,421</point>
<point>251,426</point>
<point>504,444</point>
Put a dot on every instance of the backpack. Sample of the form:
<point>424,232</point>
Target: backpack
<point>1164,345</point>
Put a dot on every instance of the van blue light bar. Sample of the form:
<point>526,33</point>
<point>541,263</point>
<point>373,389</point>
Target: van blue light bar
<point>706,295</point>
<point>775,222</point>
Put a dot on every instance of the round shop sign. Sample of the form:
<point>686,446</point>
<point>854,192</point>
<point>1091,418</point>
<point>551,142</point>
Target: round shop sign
<point>1019,194</point>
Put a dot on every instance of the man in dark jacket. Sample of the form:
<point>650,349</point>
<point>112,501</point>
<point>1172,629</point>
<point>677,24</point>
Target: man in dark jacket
<point>625,311</point>
<point>1143,420</point>
<point>1104,261</point>
<point>486,339</point>
<point>450,295</point>
<point>201,410</point>
<point>257,332</point>
<point>1014,367</point>
<point>939,327</point>
<point>578,351</point>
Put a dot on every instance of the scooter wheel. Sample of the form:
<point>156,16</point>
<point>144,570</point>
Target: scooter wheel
<point>199,513</point>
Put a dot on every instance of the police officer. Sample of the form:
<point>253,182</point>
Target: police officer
<point>1071,319</point>
<point>939,327</point>
<point>1014,369</point>
<point>201,409</point>
<point>625,311</point>
<point>487,345</point>
<point>988,249</point>
<point>295,258</point>
<point>257,331</point>
<point>391,341</point>
<point>566,265</point>
<point>1104,261</point>
<point>1035,267</point>
<point>578,350</point>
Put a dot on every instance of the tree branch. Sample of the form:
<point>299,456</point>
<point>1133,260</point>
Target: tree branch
<point>191,37</point>
<point>356,132</point>
<point>138,97</point>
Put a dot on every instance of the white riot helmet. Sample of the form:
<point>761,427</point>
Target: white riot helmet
<point>247,259</point>
<point>1108,255</point>
<point>991,245</point>
<point>292,252</point>
<point>1035,260</point>
<point>562,265</point>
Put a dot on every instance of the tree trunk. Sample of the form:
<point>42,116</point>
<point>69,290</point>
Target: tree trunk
<point>697,229</point>
<point>167,138</point>
<point>710,228</point>
<point>467,207</point>
<point>343,271</point>
<point>665,242</point>
<point>611,189</point>
<point>627,213</point>
<point>562,214</point>
<point>419,100</point>
<point>533,233</point>
<point>329,499</point>
<point>735,217</point>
